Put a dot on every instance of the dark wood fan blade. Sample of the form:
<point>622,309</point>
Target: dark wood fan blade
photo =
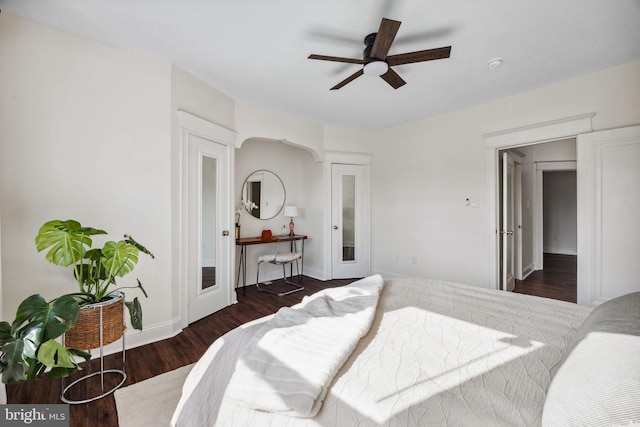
<point>419,56</point>
<point>348,79</point>
<point>386,33</point>
<point>393,79</point>
<point>336,59</point>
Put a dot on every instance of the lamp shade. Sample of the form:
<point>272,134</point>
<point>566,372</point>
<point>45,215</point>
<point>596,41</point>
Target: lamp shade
<point>291,211</point>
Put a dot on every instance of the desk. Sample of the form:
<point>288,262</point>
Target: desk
<point>248,241</point>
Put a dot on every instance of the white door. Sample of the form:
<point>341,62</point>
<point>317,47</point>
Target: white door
<point>208,254</point>
<point>517,216</point>
<point>608,186</point>
<point>349,217</point>
<point>507,276</point>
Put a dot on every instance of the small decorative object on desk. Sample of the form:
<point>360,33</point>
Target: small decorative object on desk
<point>266,234</point>
<point>249,206</point>
<point>291,211</point>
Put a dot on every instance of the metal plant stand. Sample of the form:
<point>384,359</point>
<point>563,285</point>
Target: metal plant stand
<point>102,372</point>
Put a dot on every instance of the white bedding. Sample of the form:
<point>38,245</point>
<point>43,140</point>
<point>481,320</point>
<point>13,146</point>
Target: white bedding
<point>291,360</point>
<point>437,353</point>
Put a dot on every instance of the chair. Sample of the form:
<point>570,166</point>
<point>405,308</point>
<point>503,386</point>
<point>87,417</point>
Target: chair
<point>281,258</point>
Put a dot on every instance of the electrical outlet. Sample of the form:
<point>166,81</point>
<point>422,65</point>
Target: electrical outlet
<point>414,260</point>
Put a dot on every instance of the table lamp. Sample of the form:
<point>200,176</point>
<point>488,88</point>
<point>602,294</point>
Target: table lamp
<point>291,211</point>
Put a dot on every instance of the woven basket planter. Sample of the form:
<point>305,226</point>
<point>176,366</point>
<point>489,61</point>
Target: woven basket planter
<point>85,333</point>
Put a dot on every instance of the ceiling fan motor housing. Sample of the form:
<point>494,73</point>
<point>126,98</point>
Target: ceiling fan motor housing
<point>368,43</point>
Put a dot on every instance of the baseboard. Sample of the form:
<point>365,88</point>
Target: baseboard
<point>150,334</point>
<point>315,274</point>
<point>527,271</point>
<point>560,251</point>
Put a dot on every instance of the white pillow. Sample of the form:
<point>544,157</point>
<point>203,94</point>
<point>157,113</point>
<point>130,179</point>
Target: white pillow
<point>599,382</point>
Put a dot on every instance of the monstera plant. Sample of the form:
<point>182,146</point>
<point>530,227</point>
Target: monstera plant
<point>95,269</point>
<point>29,347</point>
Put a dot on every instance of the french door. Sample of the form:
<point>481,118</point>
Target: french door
<point>206,244</point>
<point>350,221</point>
<point>507,276</point>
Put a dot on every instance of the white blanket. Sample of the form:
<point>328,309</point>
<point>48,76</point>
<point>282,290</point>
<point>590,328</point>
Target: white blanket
<point>293,358</point>
<point>436,354</point>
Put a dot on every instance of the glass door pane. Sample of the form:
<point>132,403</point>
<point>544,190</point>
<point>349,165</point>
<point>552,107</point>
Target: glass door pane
<point>208,222</point>
<point>348,217</point>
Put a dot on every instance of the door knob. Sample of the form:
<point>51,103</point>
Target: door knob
<point>335,227</point>
<point>225,233</point>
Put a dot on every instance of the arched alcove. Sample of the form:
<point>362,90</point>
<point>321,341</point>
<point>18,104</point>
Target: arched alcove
<point>300,171</point>
<point>317,156</point>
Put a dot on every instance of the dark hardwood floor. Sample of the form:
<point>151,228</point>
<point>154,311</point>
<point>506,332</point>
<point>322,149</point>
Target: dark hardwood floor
<point>153,359</point>
<point>556,281</point>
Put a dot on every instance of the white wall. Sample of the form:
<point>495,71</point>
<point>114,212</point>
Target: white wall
<point>84,131</point>
<point>560,213</point>
<point>422,173</point>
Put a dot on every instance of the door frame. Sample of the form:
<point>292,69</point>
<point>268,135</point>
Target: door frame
<point>517,217</point>
<point>193,125</point>
<point>361,159</point>
<point>538,223</point>
<point>555,130</point>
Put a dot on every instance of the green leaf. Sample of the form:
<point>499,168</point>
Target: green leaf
<point>60,372</point>
<point>135,313</point>
<point>119,258</point>
<point>66,240</point>
<point>29,347</point>
<point>63,313</point>
<point>30,308</point>
<point>12,364</point>
<point>129,239</point>
<point>56,316</point>
<point>5,333</point>
<point>54,354</point>
<point>141,288</point>
<point>32,339</point>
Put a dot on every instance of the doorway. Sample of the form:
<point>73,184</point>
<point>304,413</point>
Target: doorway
<point>537,211</point>
<point>206,218</point>
<point>523,136</point>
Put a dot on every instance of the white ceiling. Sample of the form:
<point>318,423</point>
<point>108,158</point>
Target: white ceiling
<point>256,50</point>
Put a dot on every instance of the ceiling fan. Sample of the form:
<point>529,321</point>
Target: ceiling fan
<point>375,59</point>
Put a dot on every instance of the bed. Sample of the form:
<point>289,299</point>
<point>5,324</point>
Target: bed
<point>439,353</point>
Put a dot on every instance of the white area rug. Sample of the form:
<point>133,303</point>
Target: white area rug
<point>151,402</point>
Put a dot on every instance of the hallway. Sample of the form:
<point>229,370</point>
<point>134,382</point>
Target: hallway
<point>556,281</point>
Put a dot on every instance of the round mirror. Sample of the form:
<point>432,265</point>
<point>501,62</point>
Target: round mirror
<point>266,190</point>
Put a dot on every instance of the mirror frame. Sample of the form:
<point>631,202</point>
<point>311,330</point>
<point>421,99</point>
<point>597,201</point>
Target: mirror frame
<point>284,192</point>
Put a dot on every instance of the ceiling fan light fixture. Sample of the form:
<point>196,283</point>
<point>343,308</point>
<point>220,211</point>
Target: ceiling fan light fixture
<point>375,68</point>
